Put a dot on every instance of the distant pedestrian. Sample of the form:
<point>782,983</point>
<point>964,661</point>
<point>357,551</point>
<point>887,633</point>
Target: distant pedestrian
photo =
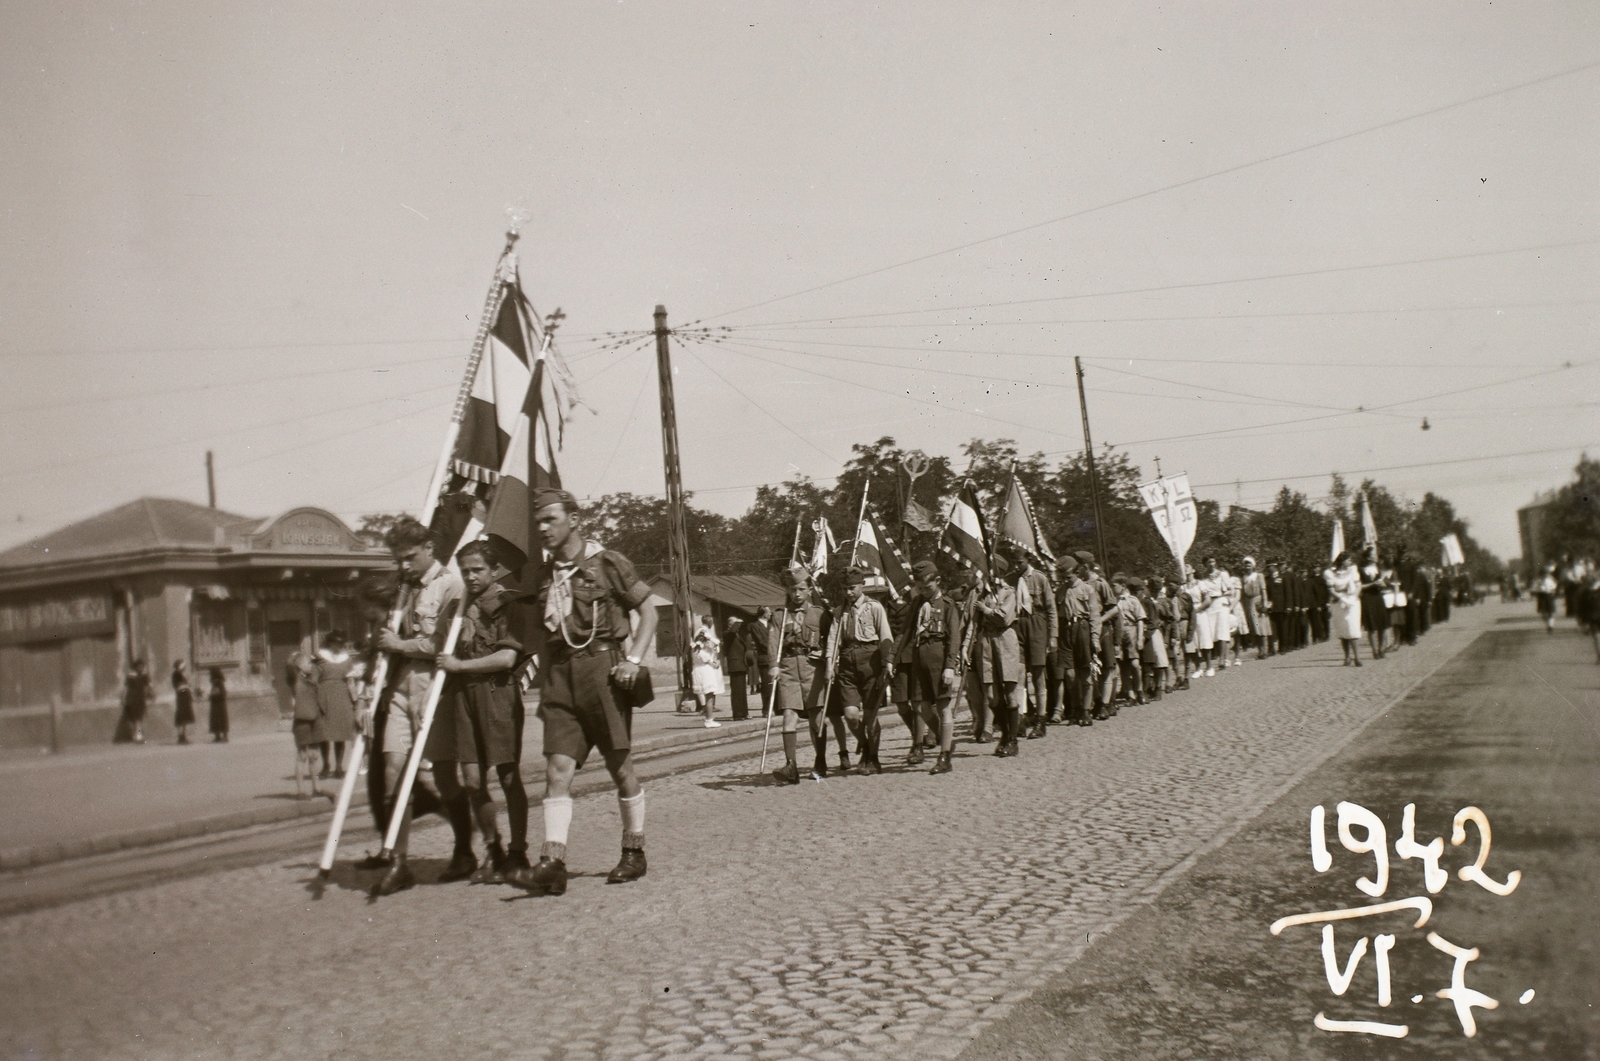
<point>219,707</point>
<point>1545,589</point>
<point>737,658</point>
<point>182,701</point>
<point>137,695</point>
<point>707,675</point>
<point>1344,606</point>
<point>307,725</point>
<point>1374,606</point>
<point>332,668</point>
<point>1253,600</point>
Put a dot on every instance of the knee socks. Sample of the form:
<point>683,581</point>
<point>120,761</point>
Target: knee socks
<point>632,808</point>
<point>557,820</point>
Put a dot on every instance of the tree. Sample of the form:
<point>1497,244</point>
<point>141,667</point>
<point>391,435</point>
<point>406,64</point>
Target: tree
<point>1571,523</point>
<point>374,525</point>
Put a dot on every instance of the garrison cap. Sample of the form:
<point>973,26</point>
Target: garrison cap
<point>1085,557</point>
<point>554,495</point>
<point>925,569</point>
<point>796,574</point>
<point>855,577</point>
<point>1066,565</point>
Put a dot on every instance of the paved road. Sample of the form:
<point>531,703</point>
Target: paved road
<point>898,916</point>
<point>1509,727</point>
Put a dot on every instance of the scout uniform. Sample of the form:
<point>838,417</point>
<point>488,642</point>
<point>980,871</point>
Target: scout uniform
<point>1080,633</point>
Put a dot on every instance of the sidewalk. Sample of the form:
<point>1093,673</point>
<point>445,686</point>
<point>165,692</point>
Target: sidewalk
<point>104,799</point>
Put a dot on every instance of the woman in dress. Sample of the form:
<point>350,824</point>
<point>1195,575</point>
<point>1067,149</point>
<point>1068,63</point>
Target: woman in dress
<point>1218,616</point>
<point>1203,631</point>
<point>1253,593</point>
<point>182,701</point>
<point>137,693</point>
<point>333,667</point>
<point>219,707</point>
<point>1374,606</point>
<point>1344,606</point>
<point>707,651</point>
<point>1237,621</point>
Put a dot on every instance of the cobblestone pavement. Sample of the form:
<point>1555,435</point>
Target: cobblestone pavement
<point>1508,727</point>
<point>896,916</point>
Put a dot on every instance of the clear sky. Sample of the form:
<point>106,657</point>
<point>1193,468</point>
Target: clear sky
<point>267,230</point>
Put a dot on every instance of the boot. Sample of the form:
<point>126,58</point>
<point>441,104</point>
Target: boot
<point>494,867</point>
<point>787,774</point>
<point>397,878</point>
<point>844,762</point>
<point>943,765</point>
<point>462,864</point>
<point>915,757</point>
<point>632,867</point>
<point>549,877</point>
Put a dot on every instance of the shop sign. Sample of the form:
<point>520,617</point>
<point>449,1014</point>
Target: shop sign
<point>56,618</point>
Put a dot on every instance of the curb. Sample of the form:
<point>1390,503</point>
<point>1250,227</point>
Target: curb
<point>147,836</point>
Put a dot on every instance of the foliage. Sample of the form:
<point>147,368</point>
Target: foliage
<point>1571,524</point>
<point>375,524</point>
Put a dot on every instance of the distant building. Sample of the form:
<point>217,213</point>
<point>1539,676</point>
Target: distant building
<point>164,580</point>
<point>722,596</point>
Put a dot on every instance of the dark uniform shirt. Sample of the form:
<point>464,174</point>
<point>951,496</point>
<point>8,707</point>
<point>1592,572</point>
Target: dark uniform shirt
<point>604,588</point>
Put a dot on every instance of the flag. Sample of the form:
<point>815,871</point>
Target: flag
<point>1019,526</point>
<point>877,550</point>
<point>1369,529</point>
<point>824,546</point>
<point>489,418</point>
<point>530,463</point>
<point>917,518</point>
<point>965,538</point>
<point>1338,538</point>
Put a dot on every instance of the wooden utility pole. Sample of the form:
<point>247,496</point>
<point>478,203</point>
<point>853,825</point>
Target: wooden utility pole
<point>677,525</point>
<point>1094,485</point>
<point>211,480</point>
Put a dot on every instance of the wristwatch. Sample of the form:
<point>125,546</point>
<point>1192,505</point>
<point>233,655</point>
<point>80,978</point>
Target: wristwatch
<point>633,660</point>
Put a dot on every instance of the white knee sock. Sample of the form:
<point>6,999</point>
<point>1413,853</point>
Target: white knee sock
<point>632,820</point>
<point>557,820</point>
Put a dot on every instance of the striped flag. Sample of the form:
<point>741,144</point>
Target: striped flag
<point>966,538</point>
<point>489,420</point>
<point>877,550</point>
<point>824,547</point>
<point>1020,527</point>
<point>530,466</point>
<point>1369,528</point>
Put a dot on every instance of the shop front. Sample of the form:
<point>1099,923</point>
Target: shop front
<point>162,580</point>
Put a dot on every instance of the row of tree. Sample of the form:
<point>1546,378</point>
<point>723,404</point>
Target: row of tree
<point>1571,520</point>
<point>761,541</point>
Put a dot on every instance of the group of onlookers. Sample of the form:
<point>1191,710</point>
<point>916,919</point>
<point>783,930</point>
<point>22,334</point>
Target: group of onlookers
<point>138,694</point>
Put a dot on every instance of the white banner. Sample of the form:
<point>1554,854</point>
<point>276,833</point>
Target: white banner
<point>1452,549</point>
<point>1171,505</point>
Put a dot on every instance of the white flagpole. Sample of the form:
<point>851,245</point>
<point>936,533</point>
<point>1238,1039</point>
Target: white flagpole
<point>441,470</point>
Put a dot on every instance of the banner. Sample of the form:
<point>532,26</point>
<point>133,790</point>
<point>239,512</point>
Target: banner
<point>1452,549</point>
<point>1171,505</point>
<point>1338,540</point>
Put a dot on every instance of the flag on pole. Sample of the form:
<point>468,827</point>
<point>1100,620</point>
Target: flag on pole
<point>966,537</point>
<point>1369,529</point>
<point>1338,539</point>
<point>1020,527</point>
<point>878,551</point>
<point>824,547</point>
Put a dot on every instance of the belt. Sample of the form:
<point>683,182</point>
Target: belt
<point>560,651</point>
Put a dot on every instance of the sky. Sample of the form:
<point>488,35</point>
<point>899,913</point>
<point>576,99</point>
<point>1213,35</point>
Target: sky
<point>1278,236</point>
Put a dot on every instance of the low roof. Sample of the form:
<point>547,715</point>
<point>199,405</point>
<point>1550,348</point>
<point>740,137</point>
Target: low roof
<point>745,592</point>
<point>156,533</point>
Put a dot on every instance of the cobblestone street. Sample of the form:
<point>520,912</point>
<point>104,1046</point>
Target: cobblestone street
<point>897,916</point>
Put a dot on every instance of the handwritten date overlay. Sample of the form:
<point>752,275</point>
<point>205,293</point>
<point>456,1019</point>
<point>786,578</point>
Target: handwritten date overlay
<point>1354,819</point>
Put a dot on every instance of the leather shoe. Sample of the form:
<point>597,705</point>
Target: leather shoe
<point>787,774</point>
<point>943,765</point>
<point>869,766</point>
<point>981,738</point>
<point>844,763</point>
<point>375,861</point>
<point>915,757</point>
<point>632,867</point>
<point>549,877</point>
<point>397,878</point>
<point>460,868</point>
<point>493,869</point>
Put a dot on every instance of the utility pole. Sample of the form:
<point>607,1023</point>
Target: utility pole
<point>211,480</point>
<point>677,526</point>
<point>1088,452</point>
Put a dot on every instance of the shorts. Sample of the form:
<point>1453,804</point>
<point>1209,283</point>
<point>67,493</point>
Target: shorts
<point>578,708</point>
<point>796,688</point>
<point>900,684</point>
<point>404,716</point>
<point>477,722</point>
<point>924,675</point>
<point>860,683</point>
<point>1033,638</point>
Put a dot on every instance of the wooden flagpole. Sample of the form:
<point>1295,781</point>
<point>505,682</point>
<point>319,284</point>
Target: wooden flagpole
<point>772,691</point>
<point>380,669</point>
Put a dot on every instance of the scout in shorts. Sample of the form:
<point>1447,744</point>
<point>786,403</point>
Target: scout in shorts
<point>796,672</point>
<point>864,665</point>
<point>1036,635</point>
<point>588,672</point>
<point>930,655</point>
<point>432,593</point>
<point>478,725</point>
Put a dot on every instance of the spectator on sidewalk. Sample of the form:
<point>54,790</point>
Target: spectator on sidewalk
<point>332,668</point>
<point>219,707</point>
<point>137,694</point>
<point>1344,606</point>
<point>308,724</point>
<point>737,659</point>
<point>707,676</point>
<point>182,701</point>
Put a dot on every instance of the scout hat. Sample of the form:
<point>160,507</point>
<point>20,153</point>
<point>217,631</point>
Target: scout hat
<point>925,570</point>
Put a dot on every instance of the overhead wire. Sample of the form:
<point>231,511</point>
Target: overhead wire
<point>763,409</point>
<point>1175,185</point>
<point>633,411</point>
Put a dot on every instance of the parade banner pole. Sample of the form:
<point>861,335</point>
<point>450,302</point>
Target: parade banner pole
<point>380,669</point>
<point>772,688</point>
